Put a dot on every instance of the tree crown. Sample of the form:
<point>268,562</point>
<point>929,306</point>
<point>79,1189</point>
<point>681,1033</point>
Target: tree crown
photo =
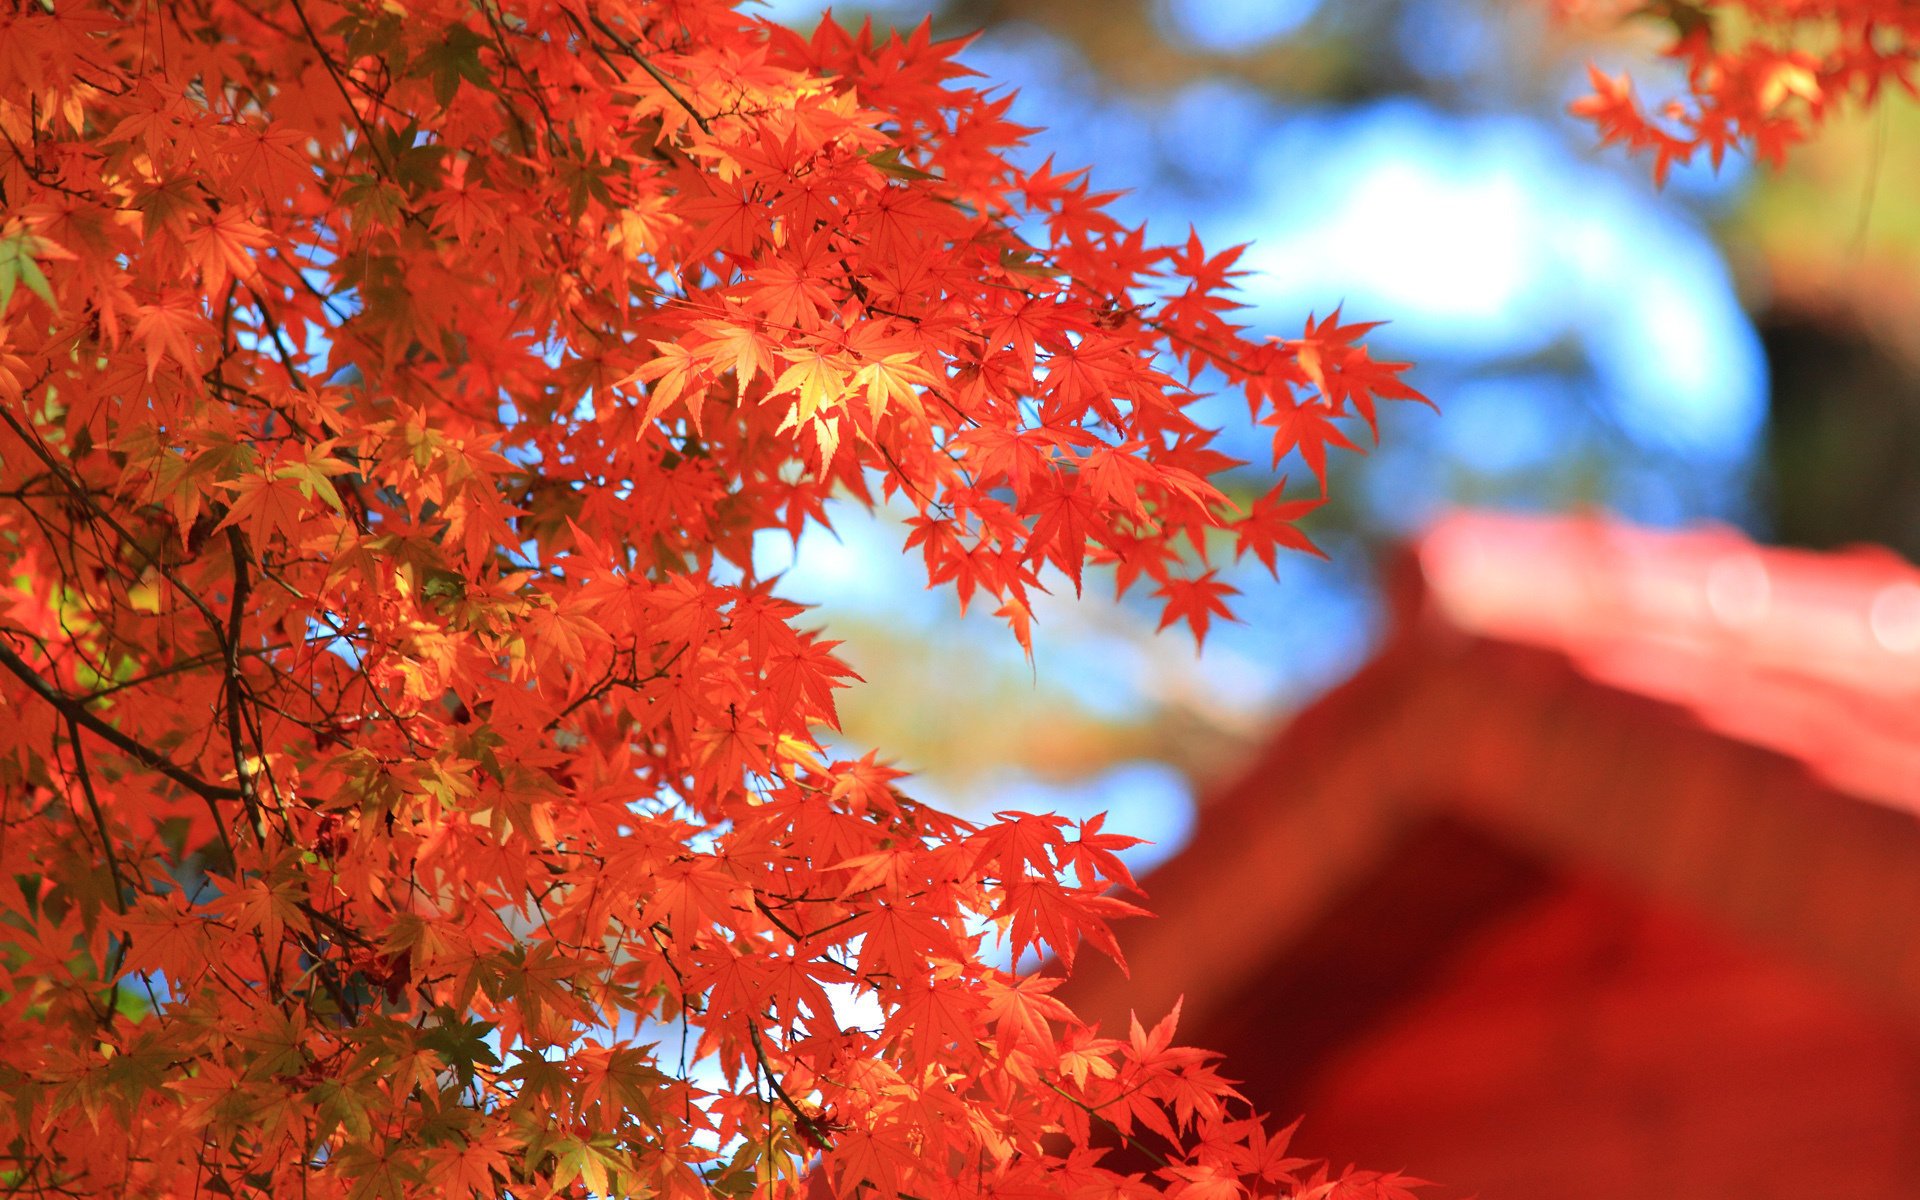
<point>409,776</point>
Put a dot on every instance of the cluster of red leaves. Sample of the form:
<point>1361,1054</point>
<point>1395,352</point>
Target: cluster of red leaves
<point>1766,91</point>
<point>407,781</point>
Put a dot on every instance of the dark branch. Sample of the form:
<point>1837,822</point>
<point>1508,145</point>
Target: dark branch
<point>236,685</point>
<point>660,77</point>
<point>77,713</point>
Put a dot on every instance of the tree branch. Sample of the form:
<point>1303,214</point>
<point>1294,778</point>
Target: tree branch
<point>633,52</point>
<point>84,496</point>
<point>77,713</point>
<point>236,685</point>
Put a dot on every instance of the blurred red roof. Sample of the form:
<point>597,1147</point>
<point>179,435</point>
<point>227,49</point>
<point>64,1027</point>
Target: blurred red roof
<point>1814,655</point>
<point>1600,879</point>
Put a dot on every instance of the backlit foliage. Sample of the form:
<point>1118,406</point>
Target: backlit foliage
<point>408,784</point>
<point>1760,75</point>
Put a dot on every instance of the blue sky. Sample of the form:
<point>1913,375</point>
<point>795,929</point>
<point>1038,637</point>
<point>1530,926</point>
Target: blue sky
<point>1560,310</point>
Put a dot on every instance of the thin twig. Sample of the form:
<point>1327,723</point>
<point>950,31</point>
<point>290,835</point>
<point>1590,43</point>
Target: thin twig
<point>84,495</point>
<point>121,943</point>
<point>75,711</point>
<point>646,64</point>
<point>236,685</point>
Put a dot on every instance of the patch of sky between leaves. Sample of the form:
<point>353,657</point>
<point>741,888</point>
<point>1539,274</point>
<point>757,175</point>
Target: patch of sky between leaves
<point>1484,237</point>
<point>857,566</point>
<point>1480,236</point>
<point>857,570</point>
<point>330,640</point>
<point>801,14</point>
<point>1228,26</point>
<point>1147,800</point>
<point>1143,799</point>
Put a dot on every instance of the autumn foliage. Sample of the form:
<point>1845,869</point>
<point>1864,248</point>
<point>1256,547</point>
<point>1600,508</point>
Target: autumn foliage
<point>1759,75</point>
<point>409,785</point>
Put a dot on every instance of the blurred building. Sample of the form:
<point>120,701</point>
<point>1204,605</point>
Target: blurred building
<point>1599,881</point>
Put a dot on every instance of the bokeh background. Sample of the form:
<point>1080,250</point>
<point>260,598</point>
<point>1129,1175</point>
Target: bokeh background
<point>1737,350</point>
<point>1591,342</point>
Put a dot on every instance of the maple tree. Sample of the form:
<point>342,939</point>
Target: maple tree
<point>408,780</point>
<point>1758,74</point>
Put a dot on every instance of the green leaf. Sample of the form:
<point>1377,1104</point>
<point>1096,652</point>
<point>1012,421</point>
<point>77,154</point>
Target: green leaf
<point>889,160</point>
<point>17,266</point>
<point>1021,262</point>
<point>339,1105</point>
<point>594,1163</point>
<point>312,481</point>
<point>460,1043</point>
<point>454,58</point>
